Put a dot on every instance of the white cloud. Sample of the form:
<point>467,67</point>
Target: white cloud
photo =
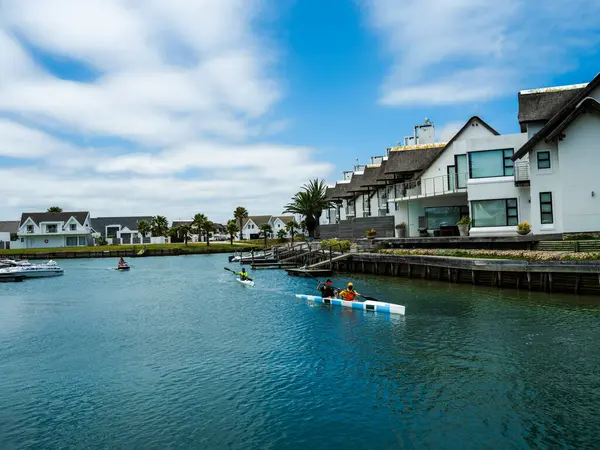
<point>186,84</point>
<point>449,130</point>
<point>457,51</point>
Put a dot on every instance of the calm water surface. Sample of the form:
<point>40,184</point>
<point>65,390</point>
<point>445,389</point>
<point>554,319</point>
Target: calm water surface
<point>175,354</point>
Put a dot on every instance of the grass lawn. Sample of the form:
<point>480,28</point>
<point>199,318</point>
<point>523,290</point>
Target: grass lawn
<point>191,247</point>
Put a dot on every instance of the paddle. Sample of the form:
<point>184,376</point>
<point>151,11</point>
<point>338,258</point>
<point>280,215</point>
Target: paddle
<point>235,273</point>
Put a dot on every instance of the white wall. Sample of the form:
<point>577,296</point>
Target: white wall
<point>547,180</point>
<point>39,241</point>
<point>579,155</point>
<point>459,147</point>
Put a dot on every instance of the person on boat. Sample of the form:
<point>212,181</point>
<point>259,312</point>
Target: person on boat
<point>349,294</point>
<point>122,262</point>
<point>243,274</point>
<point>327,289</point>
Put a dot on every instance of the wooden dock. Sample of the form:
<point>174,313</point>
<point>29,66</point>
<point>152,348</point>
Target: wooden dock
<point>309,273</point>
<point>12,279</point>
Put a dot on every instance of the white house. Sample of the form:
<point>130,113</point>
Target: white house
<point>50,230</point>
<point>561,157</point>
<point>121,230</point>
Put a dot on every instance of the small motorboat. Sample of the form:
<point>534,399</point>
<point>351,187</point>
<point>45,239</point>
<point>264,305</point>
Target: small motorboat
<point>10,268</point>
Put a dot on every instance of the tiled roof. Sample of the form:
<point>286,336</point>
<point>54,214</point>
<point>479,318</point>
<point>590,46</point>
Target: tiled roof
<point>38,217</point>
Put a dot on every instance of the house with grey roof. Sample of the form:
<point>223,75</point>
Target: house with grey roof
<point>8,229</point>
<point>54,229</point>
<point>121,230</point>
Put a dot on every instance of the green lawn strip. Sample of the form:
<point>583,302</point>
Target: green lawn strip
<point>521,255</point>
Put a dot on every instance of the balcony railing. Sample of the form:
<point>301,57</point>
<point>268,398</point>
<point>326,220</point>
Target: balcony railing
<point>51,230</point>
<point>430,187</point>
<point>522,173</point>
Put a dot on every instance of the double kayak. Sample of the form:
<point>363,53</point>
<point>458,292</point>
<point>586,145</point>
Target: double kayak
<point>245,282</point>
<point>368,305</point>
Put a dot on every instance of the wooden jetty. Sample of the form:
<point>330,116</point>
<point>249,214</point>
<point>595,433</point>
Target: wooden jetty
<point>12,279</point>
<point>309,273</point>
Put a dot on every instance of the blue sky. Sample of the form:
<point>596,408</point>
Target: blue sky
<point>177,107</point>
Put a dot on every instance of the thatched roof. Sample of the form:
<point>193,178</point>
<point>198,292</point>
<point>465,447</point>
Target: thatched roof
<point>409,161</point>
<point>341,191</point>
<point>356,184</point>
<point>543,104</point>
<point>375,176</point>
<point>569,108</point>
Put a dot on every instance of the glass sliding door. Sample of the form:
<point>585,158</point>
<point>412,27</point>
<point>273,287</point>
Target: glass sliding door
<point>460,161</point>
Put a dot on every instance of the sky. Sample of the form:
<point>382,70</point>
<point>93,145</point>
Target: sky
<point>175,107</point>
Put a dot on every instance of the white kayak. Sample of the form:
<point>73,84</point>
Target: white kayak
<point>246,282</point>
<point>368,305</point>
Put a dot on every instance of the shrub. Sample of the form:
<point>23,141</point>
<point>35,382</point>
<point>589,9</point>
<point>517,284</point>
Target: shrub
<point>329,242</point>
<point>464,220</point>
<point>401,225</point>
<point>524,227</point>
<point>371,232</point>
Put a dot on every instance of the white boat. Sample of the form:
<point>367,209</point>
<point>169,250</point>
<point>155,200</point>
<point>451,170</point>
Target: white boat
<point>28,270</point>
<point>368,305</point>
<point>245,282</point>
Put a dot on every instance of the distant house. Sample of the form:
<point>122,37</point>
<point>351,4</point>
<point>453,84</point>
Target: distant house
<point>219,233</point>
<point>6,230</point>
<point>121,230</point>
<point>54,229</point>
<point>251,225</point>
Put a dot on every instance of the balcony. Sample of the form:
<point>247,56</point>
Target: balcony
<point>430,187</point>
<point>522,173</point>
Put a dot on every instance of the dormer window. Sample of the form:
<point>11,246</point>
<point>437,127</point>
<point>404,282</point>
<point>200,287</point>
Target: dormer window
<point>51,229</point>
<point>73,227</point>
<point>30,228</point>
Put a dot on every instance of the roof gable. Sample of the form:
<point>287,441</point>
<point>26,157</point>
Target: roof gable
<point>542,104</point>
<point>256,220</point>
<point>64,217</point>
<point>558,118</point>
<point>99,224</point>
<point>587,105</point>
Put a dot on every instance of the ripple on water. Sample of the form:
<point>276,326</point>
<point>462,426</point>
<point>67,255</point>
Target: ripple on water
<point>176,355</point>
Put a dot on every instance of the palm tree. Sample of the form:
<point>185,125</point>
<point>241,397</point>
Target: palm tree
<point>291,227</point>
<point>198,222</point>
<point>208,227</point>
<point>174,233</point>
<point>143,228</point>
<point>281,234</point>
<point>265,230</point>
<point>55,209</point>
<point>310,203</point>
<point>231,228</point>
<point>159,226</point>
<point>240,214</point>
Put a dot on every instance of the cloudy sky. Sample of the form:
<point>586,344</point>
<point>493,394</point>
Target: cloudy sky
<point>174,107</point>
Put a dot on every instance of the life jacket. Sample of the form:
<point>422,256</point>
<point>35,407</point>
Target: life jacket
<point>348,295</point>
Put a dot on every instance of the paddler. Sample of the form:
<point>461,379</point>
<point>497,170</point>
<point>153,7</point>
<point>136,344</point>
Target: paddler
<point>349,293</point>
<point>327,289</point>
<point>243,274</point>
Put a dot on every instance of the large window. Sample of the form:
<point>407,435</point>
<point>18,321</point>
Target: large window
<point>460,161</point>
<point>543,160</point>
<point>350,207</point>
<point>366,205</point>
<point>547,215</point>
<point>495,213</point>
<point>451,178</point>
<point>72,242</point>
<point>82,241</point>
<point>491,163</point>
<point>444,216</point>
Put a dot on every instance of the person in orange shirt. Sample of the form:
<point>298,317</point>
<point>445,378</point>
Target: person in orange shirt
<point>349,294</point>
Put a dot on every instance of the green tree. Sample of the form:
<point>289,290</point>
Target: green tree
<point>265,229</point>
<point>144,228</point>
<point>231,228</point>
<point>310,203</point>
<point>281,235</point>
<point>291,227</point>
<point>55,209</point>
<point>208,227</point>
<point>174,234</point>
<point>198,222</point>
<point>240,214</point>
<point>159,226</point>
<point>185,232</point>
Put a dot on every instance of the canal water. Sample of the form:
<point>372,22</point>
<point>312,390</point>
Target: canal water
<point>175,354</point>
